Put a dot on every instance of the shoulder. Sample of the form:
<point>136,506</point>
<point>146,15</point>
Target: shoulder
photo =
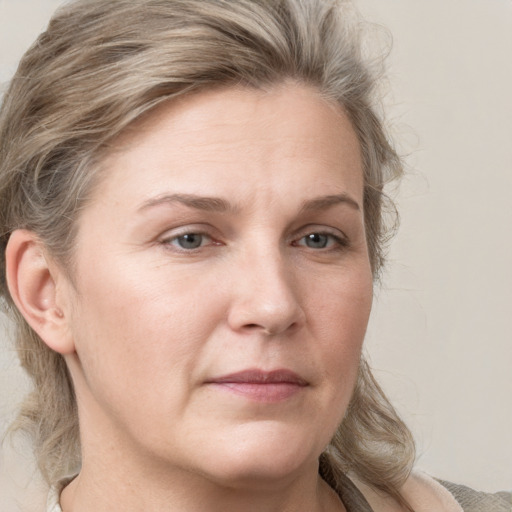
<point>476,501</point>
<point>423,493</point>
<point>426,494</point>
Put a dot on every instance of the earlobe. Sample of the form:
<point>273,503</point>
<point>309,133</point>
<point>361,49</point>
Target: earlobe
<point>32,283</point>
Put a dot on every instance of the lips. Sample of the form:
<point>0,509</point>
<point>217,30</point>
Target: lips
<point>261,386</point>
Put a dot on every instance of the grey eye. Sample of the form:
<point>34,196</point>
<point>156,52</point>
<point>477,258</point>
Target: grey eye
<point>189,241</point>
<point>316,240</point>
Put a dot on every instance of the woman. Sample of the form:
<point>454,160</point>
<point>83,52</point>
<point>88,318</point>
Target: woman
<point>192,221</point>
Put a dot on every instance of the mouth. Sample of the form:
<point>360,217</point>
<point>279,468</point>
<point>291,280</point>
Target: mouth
<point>261,386</point>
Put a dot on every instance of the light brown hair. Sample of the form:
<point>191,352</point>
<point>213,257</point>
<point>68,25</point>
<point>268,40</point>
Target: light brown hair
<point>101,65</point>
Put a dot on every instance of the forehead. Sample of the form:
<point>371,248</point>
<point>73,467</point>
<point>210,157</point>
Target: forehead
<point>221,136</point>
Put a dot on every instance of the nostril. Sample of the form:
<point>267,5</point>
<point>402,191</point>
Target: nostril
<point>257,327</point>
<point>270,330</point>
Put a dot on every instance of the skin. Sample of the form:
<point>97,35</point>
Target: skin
<point>280,279</point>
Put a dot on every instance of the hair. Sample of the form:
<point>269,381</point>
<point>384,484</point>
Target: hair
<point>101,65</point>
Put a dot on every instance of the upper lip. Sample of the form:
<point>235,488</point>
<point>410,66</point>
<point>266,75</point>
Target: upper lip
<point>256,376</point>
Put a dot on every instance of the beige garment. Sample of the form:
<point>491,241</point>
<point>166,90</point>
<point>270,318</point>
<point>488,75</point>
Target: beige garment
<point>430,495</point>
<point>451,497</point>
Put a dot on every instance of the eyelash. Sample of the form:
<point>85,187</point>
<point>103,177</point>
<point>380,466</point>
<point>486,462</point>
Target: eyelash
<point>337,242</point>
<point>169,241</point>
<point>332,242</point>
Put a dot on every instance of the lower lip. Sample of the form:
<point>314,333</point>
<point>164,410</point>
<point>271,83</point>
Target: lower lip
<point>269,392</point>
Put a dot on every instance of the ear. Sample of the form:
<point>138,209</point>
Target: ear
<point>33,279</point>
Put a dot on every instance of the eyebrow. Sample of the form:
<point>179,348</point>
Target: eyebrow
<point>325,202</point>
<point>219,205</point>
<point>208,204</point>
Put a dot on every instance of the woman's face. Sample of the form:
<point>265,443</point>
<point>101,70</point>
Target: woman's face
<point>222,285</point>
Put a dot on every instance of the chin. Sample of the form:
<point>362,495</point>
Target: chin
<point>263,460</point>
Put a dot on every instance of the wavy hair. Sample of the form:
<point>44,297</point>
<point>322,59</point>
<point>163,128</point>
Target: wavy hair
<point>101,65</point>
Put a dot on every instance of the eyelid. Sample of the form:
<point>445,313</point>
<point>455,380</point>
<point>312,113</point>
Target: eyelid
<point>339,240</point>
<point>321,230</point>
<point>177,237</point>
<point>171,235</point>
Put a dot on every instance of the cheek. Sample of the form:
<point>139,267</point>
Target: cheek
<point>133,331</point>
<point>341,308</point>
<point>341,315</point>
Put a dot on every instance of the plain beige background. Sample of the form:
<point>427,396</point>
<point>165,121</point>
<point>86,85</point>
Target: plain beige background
<point>441,335</point>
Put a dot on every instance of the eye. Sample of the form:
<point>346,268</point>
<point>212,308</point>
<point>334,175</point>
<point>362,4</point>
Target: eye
<point>321,241</point>
<point>316,241</point>
<point>189,241</point>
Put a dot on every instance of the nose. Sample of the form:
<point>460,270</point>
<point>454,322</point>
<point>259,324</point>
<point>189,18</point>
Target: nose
<point>265,295</point>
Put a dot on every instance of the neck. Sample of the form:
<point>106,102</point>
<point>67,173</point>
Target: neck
<point>103,491</point>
